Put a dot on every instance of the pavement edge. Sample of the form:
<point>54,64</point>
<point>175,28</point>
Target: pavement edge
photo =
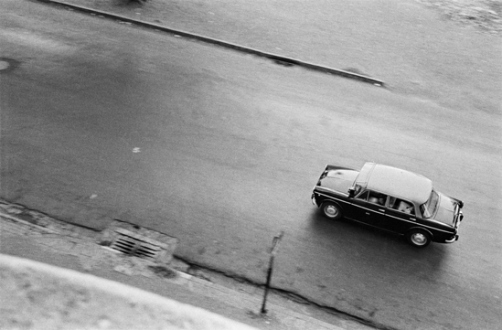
<point>286,61</point>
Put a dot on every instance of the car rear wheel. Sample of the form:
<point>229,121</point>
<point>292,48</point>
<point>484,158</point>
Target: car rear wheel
<point>418,238</point>
<point>331,210</point>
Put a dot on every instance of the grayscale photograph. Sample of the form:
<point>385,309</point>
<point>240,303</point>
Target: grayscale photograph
<point>266,165</point>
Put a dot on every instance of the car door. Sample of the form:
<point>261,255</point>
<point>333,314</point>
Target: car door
<point>399,217</point>
<point>368,207</point>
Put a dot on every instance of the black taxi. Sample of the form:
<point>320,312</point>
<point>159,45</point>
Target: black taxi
<point>391,199</point>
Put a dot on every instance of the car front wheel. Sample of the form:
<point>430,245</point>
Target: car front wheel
<point>418,238</point>
<point>331,210</point>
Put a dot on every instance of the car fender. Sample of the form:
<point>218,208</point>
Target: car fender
<point>334,201</point>
<point>421,228</point>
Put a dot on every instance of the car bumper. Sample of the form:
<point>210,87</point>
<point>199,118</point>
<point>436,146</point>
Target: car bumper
<point>314,200</point>
<point>451,240</point>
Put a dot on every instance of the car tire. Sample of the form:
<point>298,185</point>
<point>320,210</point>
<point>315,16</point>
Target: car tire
<point>418,238</point>
<point>331,210</point>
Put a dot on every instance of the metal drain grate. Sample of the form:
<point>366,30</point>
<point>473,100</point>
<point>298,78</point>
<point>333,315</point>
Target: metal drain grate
<point>133,240</point>
<point>135,245</point>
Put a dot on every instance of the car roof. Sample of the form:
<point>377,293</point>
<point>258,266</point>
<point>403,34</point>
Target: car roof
<point>395,182</point>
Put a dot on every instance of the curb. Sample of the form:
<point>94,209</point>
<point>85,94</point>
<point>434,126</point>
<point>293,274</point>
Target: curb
<point>287,61</point>
<point>50,238</point>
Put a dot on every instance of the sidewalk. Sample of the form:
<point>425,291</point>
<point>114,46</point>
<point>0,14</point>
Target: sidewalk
<point>33,236</point>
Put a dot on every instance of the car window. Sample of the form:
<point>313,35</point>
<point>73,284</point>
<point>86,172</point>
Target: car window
<point>357,189</point>
<point>377,198</point>
<point>429,207</point>
<point>363,196</point>
<point>401,205</point>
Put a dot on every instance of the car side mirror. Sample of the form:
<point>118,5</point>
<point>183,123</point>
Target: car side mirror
<point>352,192</point>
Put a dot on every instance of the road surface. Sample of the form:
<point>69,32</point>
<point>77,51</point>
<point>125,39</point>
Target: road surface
<point>103,121</point>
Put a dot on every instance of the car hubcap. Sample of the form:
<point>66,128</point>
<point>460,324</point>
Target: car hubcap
<point>331,211</point>
<point>419,239</point>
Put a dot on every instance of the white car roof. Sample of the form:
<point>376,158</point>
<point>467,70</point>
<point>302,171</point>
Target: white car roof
<point>395,182</point>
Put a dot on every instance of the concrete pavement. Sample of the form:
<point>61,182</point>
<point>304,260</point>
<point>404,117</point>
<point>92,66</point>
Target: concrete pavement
<point>32,243</point>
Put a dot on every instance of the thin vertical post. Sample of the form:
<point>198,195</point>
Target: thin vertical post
<point>273,252</point>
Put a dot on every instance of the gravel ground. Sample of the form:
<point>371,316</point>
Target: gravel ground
<point>483,14</point>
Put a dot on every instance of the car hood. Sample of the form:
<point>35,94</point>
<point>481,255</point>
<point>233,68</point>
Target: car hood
<point>446,210</point>
<point>338,179</point>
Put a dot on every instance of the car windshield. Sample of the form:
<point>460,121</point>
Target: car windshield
<point>428,208</point>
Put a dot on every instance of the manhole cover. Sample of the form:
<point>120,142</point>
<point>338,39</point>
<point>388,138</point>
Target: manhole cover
<point>133,240</point>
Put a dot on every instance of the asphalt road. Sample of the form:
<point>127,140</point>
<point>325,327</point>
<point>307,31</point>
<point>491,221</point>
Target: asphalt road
<point>101,120</point>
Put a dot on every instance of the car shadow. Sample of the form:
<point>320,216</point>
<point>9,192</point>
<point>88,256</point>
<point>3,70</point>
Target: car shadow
<point>375,246</point>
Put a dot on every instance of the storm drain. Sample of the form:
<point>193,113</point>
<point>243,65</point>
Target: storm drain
<point>132,244</point>
<point>133,240</point>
